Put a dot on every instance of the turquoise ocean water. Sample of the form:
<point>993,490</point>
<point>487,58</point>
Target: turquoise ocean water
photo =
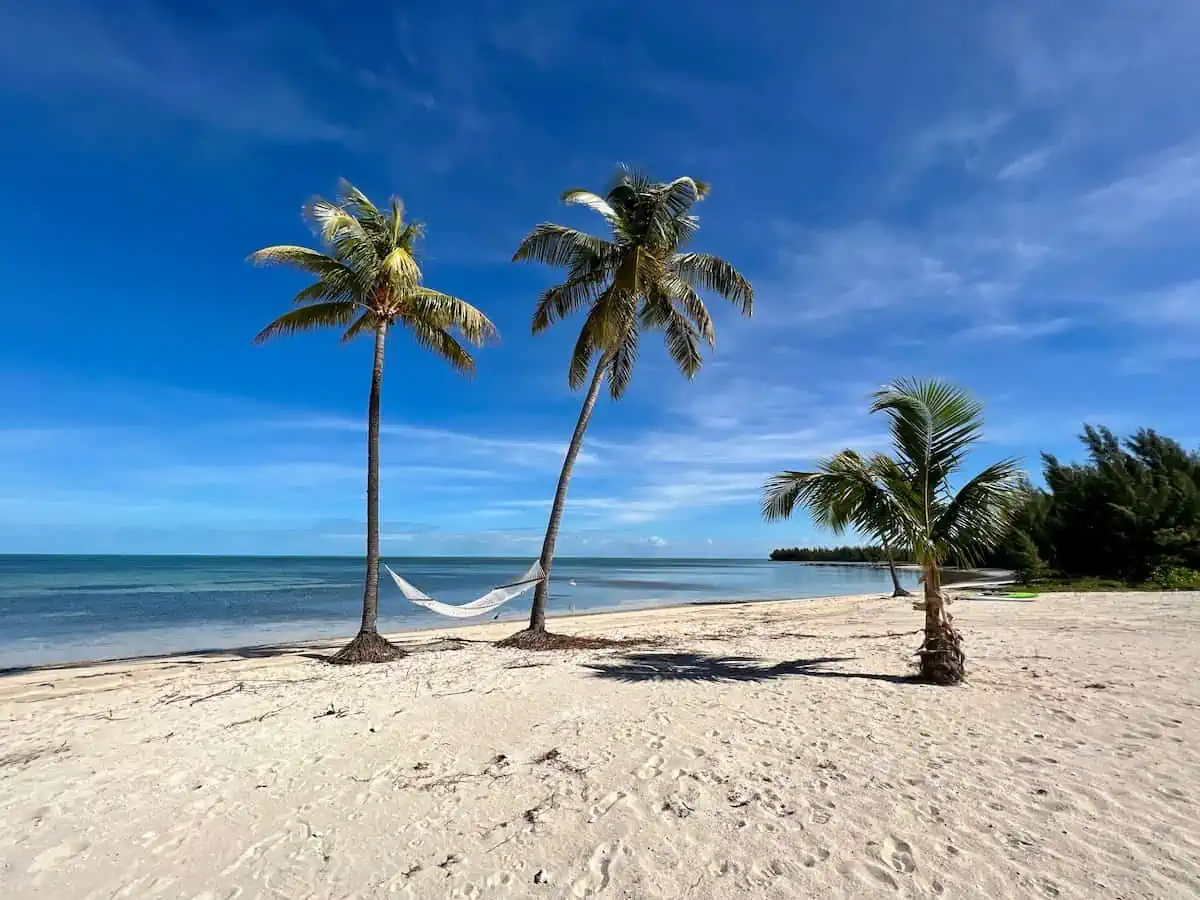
<point>65,608</point>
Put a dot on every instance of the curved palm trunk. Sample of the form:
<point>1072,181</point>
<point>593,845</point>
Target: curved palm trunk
<point>942,658</point>
<point>369,645</point>
<point>897,590</point>
<point>534,634</point>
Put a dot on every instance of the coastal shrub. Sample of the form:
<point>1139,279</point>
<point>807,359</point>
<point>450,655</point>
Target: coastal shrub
<point>1176,578</point>
<point>1127,511</point>
<point>1027,563</point>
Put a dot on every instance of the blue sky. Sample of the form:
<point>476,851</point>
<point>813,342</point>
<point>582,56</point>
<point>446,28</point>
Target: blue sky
<point>1004,194</point>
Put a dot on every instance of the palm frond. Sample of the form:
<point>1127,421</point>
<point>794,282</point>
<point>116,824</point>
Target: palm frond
<point>344,235</point>
<point>683,344</point>
<point>691,304</point>
<point>400,269</point>
<point>621,361</point>
<point>441,311</point>
<point>562,300</point>
<point>628,182</point>
<point>782,493</point>
<point>342,287</point>
<point>844,491</point>
<point>336,314</point>
<point>328,219</point>
<point>396,220</point>
<point>681,336</point>
<point>591,201</point>
<point>711,273</point>
<point>353,197</point>
<point>933,423</point>
<point>557,245</point>
<point>669,204</point>
<point>678,232</point>
<point>368,321</point>
<point>609,321</point>
<point>839,493</point>
<point>979,515</point>
<point>443,344</point>
<point>301,258</point>
<point>678,196</point>
<point>581,355</point>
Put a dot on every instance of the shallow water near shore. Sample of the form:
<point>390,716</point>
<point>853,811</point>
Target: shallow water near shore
<point>64,608</point>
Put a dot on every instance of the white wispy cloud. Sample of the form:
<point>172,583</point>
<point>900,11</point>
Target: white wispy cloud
<point>1005,266</point>
<point>502,449</point>
<point>275,476</point>
<point>1014,330</point>
<point>1026,165</point>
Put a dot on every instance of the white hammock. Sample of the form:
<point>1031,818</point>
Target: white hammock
<point>485,604</point>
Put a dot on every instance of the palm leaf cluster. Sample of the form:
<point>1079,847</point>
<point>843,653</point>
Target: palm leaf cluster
<point>933,425</point>
<point>369,279</point>
<point>639,277</point>
<point>908,499</point>
<point>847,490</point>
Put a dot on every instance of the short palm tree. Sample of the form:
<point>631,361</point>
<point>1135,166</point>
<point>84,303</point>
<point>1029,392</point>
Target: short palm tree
<point>845,490</point>
<point>638,278</point>
<point>367,282</point>
<point>933,425</point>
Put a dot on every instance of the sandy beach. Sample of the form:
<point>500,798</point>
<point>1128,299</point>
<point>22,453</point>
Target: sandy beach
<point>765,750</point>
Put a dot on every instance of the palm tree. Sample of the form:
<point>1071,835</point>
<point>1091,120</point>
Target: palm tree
<point>639,277</point>
<point>933,424</point>
<point>843,491</point>
<point>367,282</point>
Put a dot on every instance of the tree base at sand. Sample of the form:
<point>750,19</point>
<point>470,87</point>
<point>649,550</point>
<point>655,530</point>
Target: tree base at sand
<point>942,657</point>
<point>901,592</point>
<point>367,647</point>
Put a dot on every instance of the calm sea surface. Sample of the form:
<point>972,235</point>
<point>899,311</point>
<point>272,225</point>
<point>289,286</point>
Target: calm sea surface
<point>64,608</point>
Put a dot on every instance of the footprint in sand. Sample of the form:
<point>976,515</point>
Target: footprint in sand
<point>813,858</point>
<point>651,768</point>
<point>607,802</point>
<point>656,741</point>
<point>56,856</point>
<point>597,875</point>
<point>899,854</point>
<point>857,871</point>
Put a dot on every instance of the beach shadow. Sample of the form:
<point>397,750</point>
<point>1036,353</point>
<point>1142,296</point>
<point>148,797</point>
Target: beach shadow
<point>637,667</point>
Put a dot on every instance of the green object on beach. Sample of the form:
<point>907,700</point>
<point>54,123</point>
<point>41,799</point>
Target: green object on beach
<point>1020,595</point>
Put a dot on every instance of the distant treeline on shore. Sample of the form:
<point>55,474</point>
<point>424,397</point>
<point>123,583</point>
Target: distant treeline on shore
<point>847,554</point>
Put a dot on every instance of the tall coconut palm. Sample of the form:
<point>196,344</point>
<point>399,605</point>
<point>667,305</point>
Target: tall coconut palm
<point>844,492</point>
<point>933,425</point>
<point>638,278</point>
<point>367,282</point>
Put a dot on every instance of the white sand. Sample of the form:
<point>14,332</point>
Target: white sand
<point>1068,767</point>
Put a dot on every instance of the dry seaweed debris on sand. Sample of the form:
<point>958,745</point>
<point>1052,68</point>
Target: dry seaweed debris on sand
<point>25,757</point>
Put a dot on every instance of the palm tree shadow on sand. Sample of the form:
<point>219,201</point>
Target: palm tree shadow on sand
<point>637,667</point>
